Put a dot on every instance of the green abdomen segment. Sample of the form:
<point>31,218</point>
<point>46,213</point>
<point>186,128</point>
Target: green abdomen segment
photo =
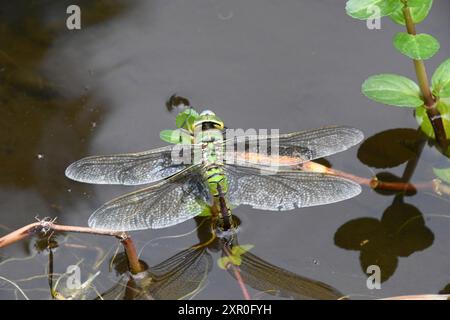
<point>218,187</point>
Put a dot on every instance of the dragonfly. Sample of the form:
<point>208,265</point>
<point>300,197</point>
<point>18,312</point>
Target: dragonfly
<point>221,174</point>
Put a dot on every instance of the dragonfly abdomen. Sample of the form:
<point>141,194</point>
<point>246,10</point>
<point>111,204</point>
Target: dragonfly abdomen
<point>218,187</point>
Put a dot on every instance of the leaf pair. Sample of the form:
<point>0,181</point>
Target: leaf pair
<point>419,10</point>
<point>372,9</point>
<point>184,122</point>
<point>235,257</point>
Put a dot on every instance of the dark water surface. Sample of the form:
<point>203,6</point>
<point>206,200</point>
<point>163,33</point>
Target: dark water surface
<point>291,65</point>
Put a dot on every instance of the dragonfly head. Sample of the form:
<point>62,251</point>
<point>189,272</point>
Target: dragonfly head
<point>208,120</point>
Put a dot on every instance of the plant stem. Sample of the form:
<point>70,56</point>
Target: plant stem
<point>46,226</point>
<point>422,77</point>
<point>237,274</point>
<point>133,259</point>
<point>435,185</point>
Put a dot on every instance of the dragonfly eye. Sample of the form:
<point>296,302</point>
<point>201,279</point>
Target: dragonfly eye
<point>207,113</point>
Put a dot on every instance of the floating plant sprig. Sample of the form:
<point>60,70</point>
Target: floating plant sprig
<point>432,105</point>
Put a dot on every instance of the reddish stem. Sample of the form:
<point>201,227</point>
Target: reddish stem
<point>46,226</point>
<point>434,185</point>
<point>237,274</point>
<point>239,279</point>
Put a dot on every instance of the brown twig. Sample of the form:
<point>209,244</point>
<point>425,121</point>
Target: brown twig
<point>435,185</point>
<point>46,225</point>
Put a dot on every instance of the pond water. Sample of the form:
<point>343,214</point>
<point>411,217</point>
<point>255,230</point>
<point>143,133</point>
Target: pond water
<point>290,65</point>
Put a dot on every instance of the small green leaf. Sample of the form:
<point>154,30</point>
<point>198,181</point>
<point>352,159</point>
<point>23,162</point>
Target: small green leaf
<point>425,124</point>
<point>223,262</point>
<point>442,173</point>
<point>419,47</point>
<point>239,250</point>
<point>186,118</point>
<point>417,3</point>
<point>441,80</point>
<point>235,256</point>
<point>175,137</point>
<point>419,11</point>
<point>393,90</point>
<point>370,9</point>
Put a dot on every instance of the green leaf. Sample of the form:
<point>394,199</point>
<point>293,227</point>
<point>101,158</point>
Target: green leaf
<point>223,262</point>
<point>419,11</point>
<point>239,250</point>
<point>393,90</point>
<point>441,80</point>
<point>417,3</point>
<point>370,9</point>
<point>419,47</point>
<point>425,124</point>
<point>186,118</point>
<point>235,256</point>
<point>442,173</point>
<point>175,137</point>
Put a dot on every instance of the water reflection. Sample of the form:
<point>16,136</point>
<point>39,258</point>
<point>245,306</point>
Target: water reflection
<point>186,273</point>
<point>181,48</point>
<point>41,128</point>
<point>401,231</point>
<point>391,148</point>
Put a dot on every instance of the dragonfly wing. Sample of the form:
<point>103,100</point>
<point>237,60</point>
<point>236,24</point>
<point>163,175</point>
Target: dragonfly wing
<point>280,190</point>
<point>181,276</point>
<point>172,201</point>
<point>268,278</point>
<point>293,148</point>
<point>130,168</point>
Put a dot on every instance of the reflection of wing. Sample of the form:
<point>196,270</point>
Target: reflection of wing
<point>285,189</point>
<point>174,200</point>
<point>128,169</point>
<point>301,146</point>
<point>273,280</point>
<point>179,277</point>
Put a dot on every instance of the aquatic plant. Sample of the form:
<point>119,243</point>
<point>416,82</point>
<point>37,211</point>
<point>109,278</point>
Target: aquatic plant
<point>431,104</point>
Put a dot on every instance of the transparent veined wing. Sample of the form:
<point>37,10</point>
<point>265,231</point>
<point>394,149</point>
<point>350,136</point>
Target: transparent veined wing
<point>273,280</point>
<point>292,148</point>
<point>130,168</point>
<point>280,190</point>
<point>174,200</point>
<point>180,277</point>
